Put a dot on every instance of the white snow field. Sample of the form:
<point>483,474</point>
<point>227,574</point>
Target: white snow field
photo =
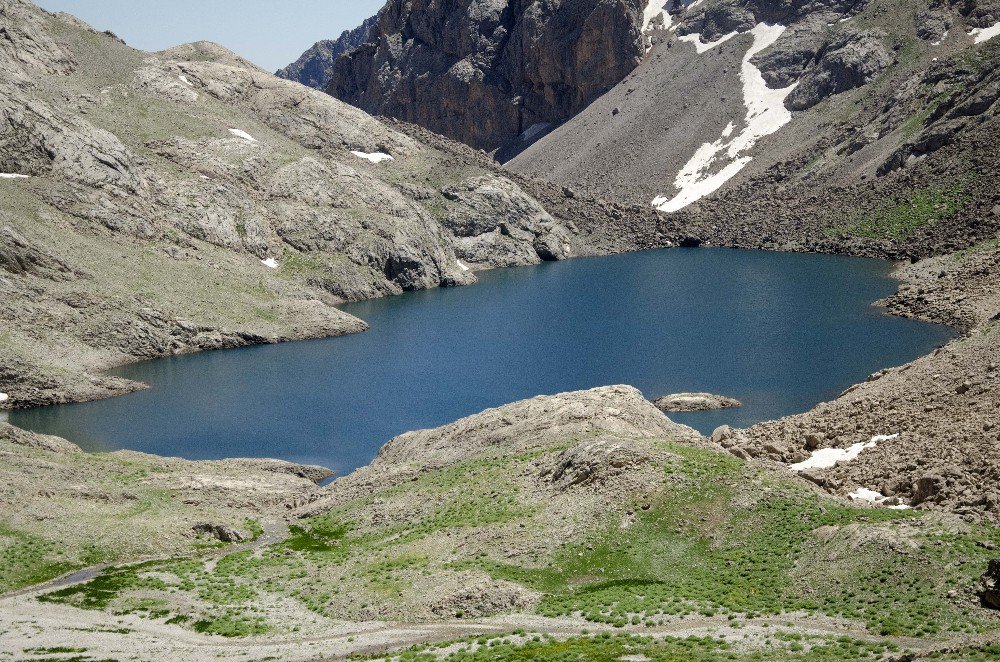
<point>766,113</point>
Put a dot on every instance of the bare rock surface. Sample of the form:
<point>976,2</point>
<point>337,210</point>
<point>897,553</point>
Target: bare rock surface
<point>314,68</point>
<point>484,72</point>
<point>695,402</point>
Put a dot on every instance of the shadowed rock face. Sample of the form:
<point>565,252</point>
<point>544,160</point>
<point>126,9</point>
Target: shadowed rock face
<point>484,71</point>
<point>315,67</point>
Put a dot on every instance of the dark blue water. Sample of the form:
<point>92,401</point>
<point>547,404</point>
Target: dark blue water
<point>781,332</point>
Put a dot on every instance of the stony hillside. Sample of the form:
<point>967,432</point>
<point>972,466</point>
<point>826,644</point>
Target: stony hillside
<point>584,524</point>
<point>169,202</point>
<point>838,126</point>
<point>486,72</point>
<point>315,67</point>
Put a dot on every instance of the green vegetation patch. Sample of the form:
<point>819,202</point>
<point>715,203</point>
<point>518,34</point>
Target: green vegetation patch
<point>901,219</point>
<point>26,560</point>
<point>604,646</point>
<point>726,538</point>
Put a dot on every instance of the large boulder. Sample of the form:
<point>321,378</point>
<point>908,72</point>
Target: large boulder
<point>989,591</point>
<point>695,402</point>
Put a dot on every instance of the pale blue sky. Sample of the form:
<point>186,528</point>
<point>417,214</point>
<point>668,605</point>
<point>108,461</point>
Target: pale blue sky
<point>270,33</point>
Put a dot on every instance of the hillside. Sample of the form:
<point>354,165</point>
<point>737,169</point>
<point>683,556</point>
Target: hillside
<point>842,127</point>
<point>583,523</point>
<point>159,203</point>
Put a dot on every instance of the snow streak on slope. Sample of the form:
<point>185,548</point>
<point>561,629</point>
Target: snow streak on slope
<point>980,35</point>
<point>700,46</point>
<point>766,113</point>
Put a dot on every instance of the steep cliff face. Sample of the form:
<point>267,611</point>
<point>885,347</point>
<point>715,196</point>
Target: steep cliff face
<point>315,67</point>
<point>485,71</point>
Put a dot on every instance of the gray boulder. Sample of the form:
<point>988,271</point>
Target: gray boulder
<point>220,532</point>
<point>989,591</point>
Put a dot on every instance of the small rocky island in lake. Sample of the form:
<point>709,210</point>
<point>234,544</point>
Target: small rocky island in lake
<point>679,402</point>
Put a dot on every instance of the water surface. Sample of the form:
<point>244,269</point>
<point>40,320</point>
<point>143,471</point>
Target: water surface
<point>781,332</point>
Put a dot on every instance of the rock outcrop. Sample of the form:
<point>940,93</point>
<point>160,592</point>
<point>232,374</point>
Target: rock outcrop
<point>989,591</point>
<point>484,72</point>
<point>695,402</point>
<point>314,68</point>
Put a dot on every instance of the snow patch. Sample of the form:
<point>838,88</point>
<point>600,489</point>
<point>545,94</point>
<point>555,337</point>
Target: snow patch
<point>184,79</point>
<point>534,130</point>
<point>766,113</point>
<point>656,8</point>
<point>941,40</point>
<point>462,266</point>
<point>4,397</point>
<point>702,47</point>
<point>374,157</point>
<point>979,35</point>
<point>239,133</point>
<point>12,175</point>
<point>875,498</point>
<point>270,262</point>
<point>825,458</point>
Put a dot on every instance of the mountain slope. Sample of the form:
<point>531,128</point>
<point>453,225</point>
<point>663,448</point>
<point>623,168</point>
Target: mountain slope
<point>162,203</point>
<point>863,127</point>
<point>315,66</point>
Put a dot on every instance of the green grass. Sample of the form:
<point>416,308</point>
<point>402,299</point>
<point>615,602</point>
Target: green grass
<point>902,218</point>
<point>608,647</point>
<point>697,551</point>
<point>722,538</point>
<point>27,559</point>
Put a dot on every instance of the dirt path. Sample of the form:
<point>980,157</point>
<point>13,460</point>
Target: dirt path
<point>27,624</point>
<point>275,532</point>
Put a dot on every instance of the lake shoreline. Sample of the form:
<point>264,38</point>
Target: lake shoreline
<point>889,275</point>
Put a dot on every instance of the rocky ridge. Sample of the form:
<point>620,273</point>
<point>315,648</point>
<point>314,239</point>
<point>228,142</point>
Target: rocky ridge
<point>315,67</point>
